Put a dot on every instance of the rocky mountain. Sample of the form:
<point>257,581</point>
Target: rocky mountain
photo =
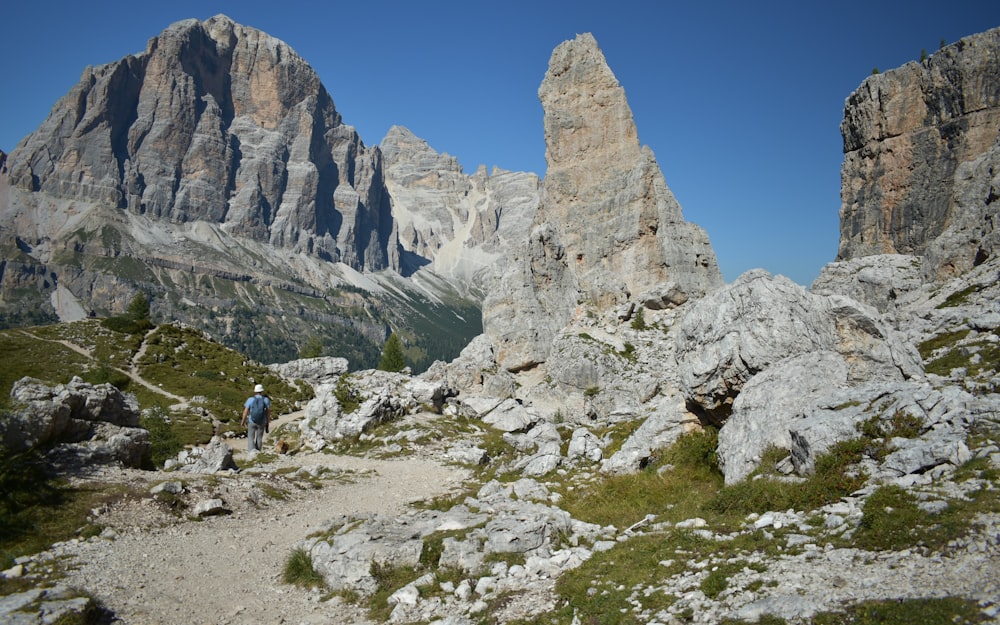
<point>644,443</point>
<point>460,223</point>
<point>921,150</point>
<point>608,229</point>
<point>213,173</point>
<point>218,123</point>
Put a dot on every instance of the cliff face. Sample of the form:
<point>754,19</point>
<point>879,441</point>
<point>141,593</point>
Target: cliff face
<point>220,123</point>
<point>607,229</point>
<point>459,224</point>
<point>920,143</point>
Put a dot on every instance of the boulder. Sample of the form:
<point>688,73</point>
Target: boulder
<point>314,371</point>
<point>214,457</point>
<point>658,430</point>
<point>384,396</point>
<point>882,281</point>
<point>729,336</point>
<point>511,416</point>
<point>93,423</point>
<point>585,445</point>
<point>774,402</point>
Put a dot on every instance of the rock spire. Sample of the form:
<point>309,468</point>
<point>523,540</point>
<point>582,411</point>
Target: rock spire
<point>608,228</point>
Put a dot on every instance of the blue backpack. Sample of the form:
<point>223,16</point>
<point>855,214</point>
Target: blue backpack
<point>258,409</point>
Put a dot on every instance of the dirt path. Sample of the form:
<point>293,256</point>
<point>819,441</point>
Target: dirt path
<point>227,569</point>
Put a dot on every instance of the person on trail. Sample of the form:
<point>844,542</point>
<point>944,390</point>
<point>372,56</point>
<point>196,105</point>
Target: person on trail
<point>256,418</point>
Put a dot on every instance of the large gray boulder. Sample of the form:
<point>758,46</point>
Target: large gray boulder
<point>312,370</point>
<point>775,401</point>
<point>212,458</point>
<point>733,334</point>
<point>882,281</point>
<point>383,396</point>
<point>98,423</point>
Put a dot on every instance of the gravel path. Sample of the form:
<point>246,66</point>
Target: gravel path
<point>227,569</point>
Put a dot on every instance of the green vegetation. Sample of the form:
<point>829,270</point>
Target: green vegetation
<point>392,355</point>
<point>388,579</point>
<point>347,396</point>
<point>959,298</point>
<point>936,611</point>
<point>892,519</point>
<point>135,320</point>
<point>639,320</point>
<point>26,355</point>
<point>673,495</point>
<point>955,350</point>
<point>184,362</point>
<point>299,571</point>
<point>313,348</point>
<point>431,330</point>
<point>37,510</point>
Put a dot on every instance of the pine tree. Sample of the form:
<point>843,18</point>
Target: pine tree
<point>138,308</point>
<point>392,355</point>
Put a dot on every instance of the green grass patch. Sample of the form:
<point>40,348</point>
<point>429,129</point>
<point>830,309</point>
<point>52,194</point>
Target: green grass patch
<point>299,571</point>
<point>174,356</point>
<point>46,360</point>
<point>936,611</point>
<point>834,477</point>
<point>717,579</point>
<point>388,579</point>
<point>945,340</point>
<point>673,494</point>
<point>958,298</point>
<point>37,510</point>
<point>892,520</point>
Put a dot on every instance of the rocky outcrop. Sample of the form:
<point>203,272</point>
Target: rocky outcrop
<point>93,423</point>
<point>741,330</point>
<point>353,405</point>
<point>221,123</point>
<point>883,281</point>
<point>920,160</point>
<point>607,229</point>
<point>510,520</point>
<point>313,371</point>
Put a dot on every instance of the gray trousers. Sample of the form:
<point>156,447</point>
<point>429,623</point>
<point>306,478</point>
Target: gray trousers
<point>255,436</point>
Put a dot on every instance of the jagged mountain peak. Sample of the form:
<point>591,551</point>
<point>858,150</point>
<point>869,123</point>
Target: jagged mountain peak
<point>608,229</point>
<point>222,123</point>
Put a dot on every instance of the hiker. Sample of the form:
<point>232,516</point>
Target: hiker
<point>256,418</point>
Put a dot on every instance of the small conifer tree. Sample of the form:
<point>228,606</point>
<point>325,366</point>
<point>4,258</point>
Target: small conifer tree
<point>392,355</point>
<point>138,308</point>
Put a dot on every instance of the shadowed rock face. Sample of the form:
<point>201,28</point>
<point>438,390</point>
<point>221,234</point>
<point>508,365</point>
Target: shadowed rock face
<point>607,228</point>
<point>221,123</point>
<point>914,140</point>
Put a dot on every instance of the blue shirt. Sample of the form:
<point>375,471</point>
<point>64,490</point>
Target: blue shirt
<point>249,402</point>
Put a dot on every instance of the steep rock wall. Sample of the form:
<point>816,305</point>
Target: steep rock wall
<point>915,139</point>
<point>222,123</point>
<point>607,229</point>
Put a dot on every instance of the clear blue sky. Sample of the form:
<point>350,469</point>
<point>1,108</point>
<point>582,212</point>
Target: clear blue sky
<point>740,101</point>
